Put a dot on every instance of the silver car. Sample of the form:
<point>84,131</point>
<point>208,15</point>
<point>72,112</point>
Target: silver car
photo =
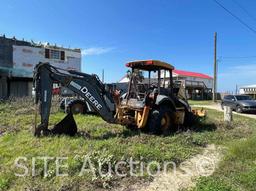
<point>239,103</point>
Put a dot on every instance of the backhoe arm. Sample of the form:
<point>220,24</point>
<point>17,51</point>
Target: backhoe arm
<point>87,86</point>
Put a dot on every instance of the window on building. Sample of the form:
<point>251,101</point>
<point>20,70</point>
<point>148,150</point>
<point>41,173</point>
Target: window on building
<point>47,53</point>
<point>54,54</point>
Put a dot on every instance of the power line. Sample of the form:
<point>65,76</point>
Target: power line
<point>236,17</point>
<point>244,9</point>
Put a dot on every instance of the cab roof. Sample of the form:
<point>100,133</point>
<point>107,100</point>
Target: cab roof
<point>149,65</point>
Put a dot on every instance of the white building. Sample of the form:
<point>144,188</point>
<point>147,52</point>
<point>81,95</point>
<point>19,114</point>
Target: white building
<point>193,77</point>
<point>25,58</point>
<point>198,85</point>
<point>248,90</point>
<point>18,59</point>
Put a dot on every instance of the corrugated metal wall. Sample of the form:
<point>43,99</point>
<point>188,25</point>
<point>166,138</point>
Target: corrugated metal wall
<point>20,88</point>
<point>3,88</point>
<point>17,88</point>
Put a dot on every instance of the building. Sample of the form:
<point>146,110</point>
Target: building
<point>18,59</point>
<point>198,86</point>
<point>248,90</point>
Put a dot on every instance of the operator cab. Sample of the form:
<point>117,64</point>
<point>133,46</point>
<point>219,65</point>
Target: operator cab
<point>147,77</point>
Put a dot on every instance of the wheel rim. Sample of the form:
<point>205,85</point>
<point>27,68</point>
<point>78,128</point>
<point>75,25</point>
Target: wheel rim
<point>77,108</point>
<point>165,122</point>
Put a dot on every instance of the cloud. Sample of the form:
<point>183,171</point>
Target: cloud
<point>246,70</point>
<point>243,74</point>
<point>96,51</point>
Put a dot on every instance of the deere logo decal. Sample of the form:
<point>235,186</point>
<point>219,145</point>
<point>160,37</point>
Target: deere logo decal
<point>87,94</point>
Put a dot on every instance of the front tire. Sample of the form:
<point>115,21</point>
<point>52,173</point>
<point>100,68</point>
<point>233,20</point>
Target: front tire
<point>162,121</point>
<point>189,120</point>
<point>239,109</point>
<point>222,106</point>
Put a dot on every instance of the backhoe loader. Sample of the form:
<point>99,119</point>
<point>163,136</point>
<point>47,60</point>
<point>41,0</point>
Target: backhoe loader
<point>152,102</point>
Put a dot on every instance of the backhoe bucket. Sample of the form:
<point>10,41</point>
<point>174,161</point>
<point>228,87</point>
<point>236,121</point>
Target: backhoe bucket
<point>201,113</point>
<point>66,126</point>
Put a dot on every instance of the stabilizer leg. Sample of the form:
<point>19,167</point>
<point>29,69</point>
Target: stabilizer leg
<point>41,130</point>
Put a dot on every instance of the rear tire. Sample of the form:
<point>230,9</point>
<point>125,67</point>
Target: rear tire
<point>161,121</point>
<point>77,107</point>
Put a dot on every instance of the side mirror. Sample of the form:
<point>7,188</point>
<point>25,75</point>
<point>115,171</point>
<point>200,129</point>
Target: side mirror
<point>233,99</point>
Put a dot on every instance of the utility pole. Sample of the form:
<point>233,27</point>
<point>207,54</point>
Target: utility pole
<point>215,69</point>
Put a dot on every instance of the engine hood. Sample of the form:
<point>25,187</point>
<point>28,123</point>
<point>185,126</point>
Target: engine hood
<point>247,102</point>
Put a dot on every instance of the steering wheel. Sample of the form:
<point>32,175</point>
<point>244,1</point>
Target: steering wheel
<point>153,85</point>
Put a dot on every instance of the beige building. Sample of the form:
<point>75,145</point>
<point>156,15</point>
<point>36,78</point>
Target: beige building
<point>248,90</point>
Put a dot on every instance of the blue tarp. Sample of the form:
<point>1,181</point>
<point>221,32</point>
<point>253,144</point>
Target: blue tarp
<point>16,72</point>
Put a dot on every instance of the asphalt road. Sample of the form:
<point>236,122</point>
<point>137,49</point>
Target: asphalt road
<point>217,107</point>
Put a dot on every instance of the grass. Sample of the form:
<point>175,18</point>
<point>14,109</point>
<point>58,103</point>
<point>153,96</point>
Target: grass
<point>236,172</point>
<point>107,143</point>
<point>200,102</point>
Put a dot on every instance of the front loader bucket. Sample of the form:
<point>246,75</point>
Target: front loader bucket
<point>201,113</point>
<point>66,126</point>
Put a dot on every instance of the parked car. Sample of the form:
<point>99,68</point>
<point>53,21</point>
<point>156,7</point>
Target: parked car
<point>239,103</point>
<point>76,106</point>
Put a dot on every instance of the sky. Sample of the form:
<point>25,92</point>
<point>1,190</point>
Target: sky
<point>113,32</point>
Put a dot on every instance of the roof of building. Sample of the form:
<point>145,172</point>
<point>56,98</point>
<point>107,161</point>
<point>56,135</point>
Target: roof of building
<point>191,74</point>
<point>249,86</point>
<point>31,43</point>
<point>125,79</point>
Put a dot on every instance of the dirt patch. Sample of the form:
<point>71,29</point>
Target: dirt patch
<point>25,110</point>
<point>185,174</point>
<point>9,129</point>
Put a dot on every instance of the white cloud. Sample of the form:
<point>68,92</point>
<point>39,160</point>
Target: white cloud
<point>96,51</point>
<point>245,70</point>
<point>242,74</point>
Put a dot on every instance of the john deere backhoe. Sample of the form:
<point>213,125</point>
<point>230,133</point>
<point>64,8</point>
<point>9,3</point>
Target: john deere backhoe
<point>152,102</point>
